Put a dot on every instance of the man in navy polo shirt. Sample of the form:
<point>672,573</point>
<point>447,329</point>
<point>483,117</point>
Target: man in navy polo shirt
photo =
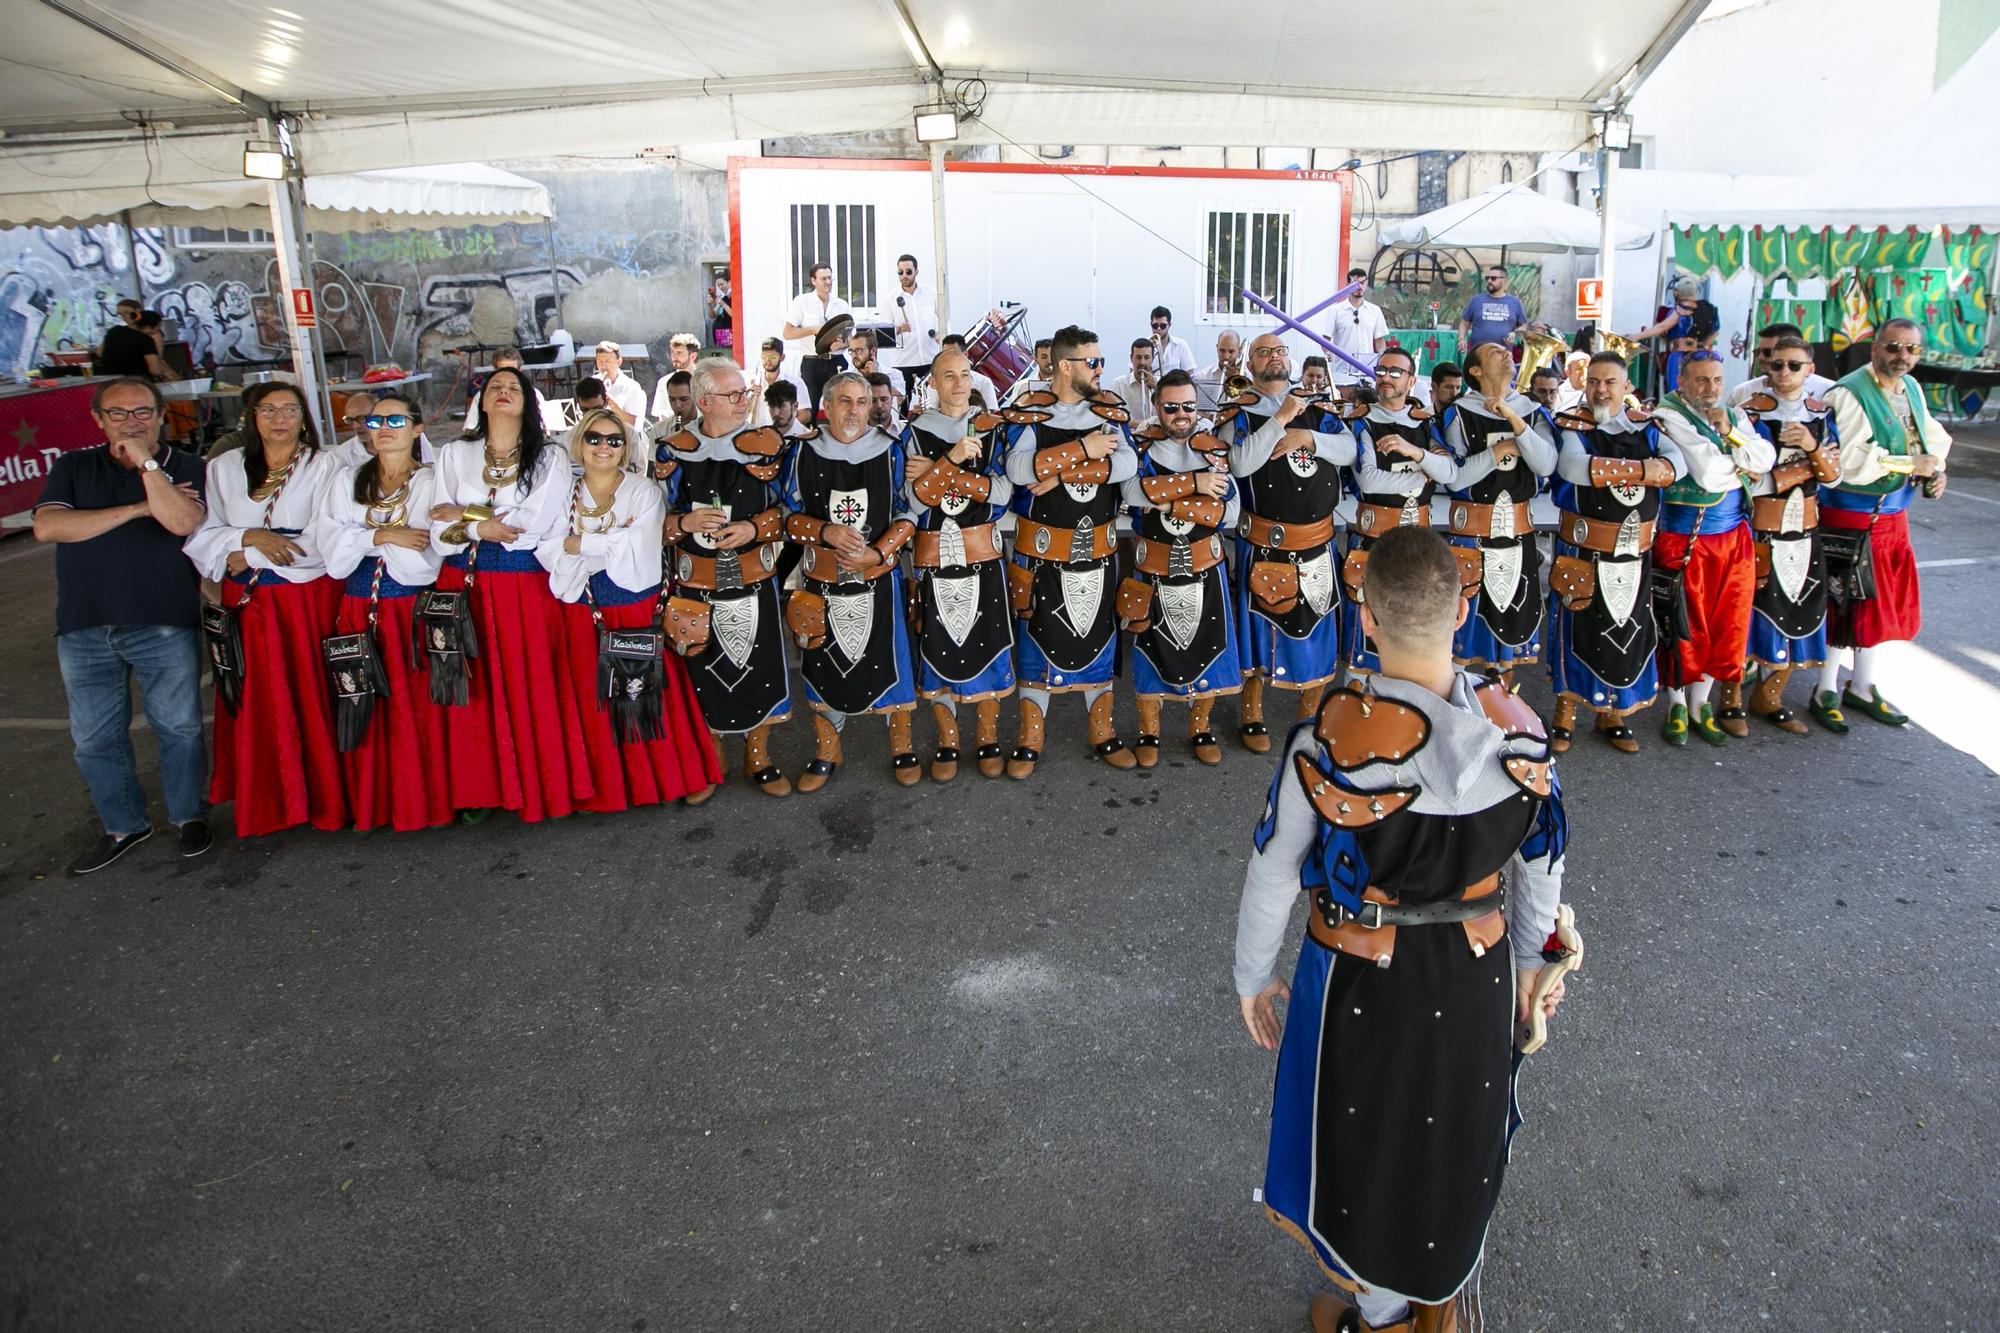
<point>1492,316</point>
<point>128,602</point>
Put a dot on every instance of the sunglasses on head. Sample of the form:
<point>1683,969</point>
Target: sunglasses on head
<point>1910,348</point>
<point>1706,355</point>
<point>394,421</point>
<point>602,439</point>
<point>1180,407</point>
<point>1787,364</point>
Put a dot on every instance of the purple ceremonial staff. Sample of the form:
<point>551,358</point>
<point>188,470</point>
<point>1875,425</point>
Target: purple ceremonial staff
<point>1299,323</point>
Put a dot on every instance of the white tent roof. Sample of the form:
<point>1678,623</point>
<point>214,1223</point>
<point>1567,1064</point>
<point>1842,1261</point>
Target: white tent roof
<point>382,83</point>
<point>1514,215</point>
<point>458,194</point>
<point>1934,167</point>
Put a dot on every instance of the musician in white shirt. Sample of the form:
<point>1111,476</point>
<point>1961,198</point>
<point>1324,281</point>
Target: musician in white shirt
<point>1136,385</point>
<point>811,310</point>
<point>1357,327</point>
<point>1175,354</point>
<point>621,391</point>
<point>915,324</point>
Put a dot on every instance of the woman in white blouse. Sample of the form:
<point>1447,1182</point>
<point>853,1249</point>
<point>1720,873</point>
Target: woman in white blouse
<point>516,740</point>
<point>374,532</point>
<point>642,728</point>
<point>275,753</point>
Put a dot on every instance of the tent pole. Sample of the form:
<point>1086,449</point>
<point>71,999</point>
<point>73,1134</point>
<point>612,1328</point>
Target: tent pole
<point>1607,169</point>
<point>555,279</point>
<point>288,217</point>
<point>132,254</point>
<point>938,281</point>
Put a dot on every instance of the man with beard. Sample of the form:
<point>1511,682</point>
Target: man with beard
<point>958,492</point>
<point>1288,622</point>
<point>1503,446</point>
<point>1399,465</point>
<point>1177,601</point>
<point>1609,474</point>
<point>1705,551</point>
<point>845,491</point>
<point>1067,455</point>
<point>1890,448</point>
<point>771,370</point>
<point>1788,612</point>
<point>724,532</point>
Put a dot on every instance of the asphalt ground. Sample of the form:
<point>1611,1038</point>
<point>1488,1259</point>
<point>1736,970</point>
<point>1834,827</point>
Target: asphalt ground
<point>969,1057</point>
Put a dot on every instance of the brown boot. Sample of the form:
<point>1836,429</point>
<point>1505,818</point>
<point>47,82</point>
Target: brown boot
<point>722,773</point>
<point>903,764</point>
<point>1611,725</point>
<point>1206,748</point>
<point>1434,1318</point>
<point>1250,728</point>
<point>1104,742</point>
<point>1563,727</point>
<point>1147,747</point>
<point>819,769</point>
<point>1768,702</point>
<point>992,759</point>
<point>757,765</point>
<point>944,763</point>
<point>1027,742</point>
<point>1309,701</point>
<point>1729,714</point>
<point>1330,1314</point>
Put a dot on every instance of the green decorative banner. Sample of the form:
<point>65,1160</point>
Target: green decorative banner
<point>1897,249</point>
<point>1767,251</point>
<point>1805,248</point>
<point>1428,346</point>
<point>1810,316</point>
<point>1847,249</point>
<point>1969,251</point>
<point>1729,255</point>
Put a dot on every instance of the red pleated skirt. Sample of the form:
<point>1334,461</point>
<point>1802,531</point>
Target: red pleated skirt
<point>1720,584</point>
<point>396,776</point>
<point>644,772</point>
<point>276,756</point>
<point>518,742</point>
<point>1896,612</point>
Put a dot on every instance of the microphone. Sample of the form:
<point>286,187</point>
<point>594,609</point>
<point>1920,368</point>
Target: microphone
<point>899,302</point>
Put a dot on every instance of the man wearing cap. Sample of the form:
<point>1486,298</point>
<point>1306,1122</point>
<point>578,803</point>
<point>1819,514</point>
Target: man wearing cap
<point>621,392</point>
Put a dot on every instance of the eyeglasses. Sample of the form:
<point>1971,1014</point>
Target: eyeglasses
<point>1893,348</point>
<point>1094,362</point>
<point>394,421</point>
<point>1180,407</point>
<point>281,410</point>
<point>1788,364</point>
<point>734,396</point>
<point>139,414</point>
<point>602,439</point>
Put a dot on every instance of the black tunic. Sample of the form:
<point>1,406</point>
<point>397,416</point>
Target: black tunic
<point>1796,616</point>
<point>991,631</point>
<point>1616,648</point>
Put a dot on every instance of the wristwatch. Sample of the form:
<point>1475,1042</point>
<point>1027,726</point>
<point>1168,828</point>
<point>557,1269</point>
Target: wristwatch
<point>150,465</point>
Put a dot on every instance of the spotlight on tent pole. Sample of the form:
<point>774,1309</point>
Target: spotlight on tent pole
<point>264,160</point>
<point>1614,131</point>
<point>936,123</point>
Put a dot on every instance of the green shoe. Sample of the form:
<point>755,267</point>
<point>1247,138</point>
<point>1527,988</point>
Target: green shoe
<point>1826,711</point>
<point>1704,727</point>
<point>1674,731</point>
<point>1875,706</point>
<point>474,816</point>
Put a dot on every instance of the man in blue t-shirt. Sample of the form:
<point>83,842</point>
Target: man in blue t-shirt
<point>1492,316</point>
<point>129,603</point>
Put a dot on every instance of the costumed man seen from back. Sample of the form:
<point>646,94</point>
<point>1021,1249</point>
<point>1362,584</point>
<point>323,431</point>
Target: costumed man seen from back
<point>1610,472</point>
<point>1399,464</point>
<point>1891,448</point>
<point>1286,454</point>
<point>1788,612</point>
<point>958,492</point>
<point>1420,817</point>
<point>1176,602</point>
<point>845,490</point>
<point>1067,455</point>
<point>1504,445</point>
<point>1704,566</point>
<point>725,533</point>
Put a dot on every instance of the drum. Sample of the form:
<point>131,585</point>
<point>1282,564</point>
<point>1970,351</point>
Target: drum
<point>1002,354</point>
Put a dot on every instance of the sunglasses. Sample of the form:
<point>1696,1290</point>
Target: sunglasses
<point>395,421</point>
<point>1893,348</point>
<point>602,439</point>
<point>1775,364</point>
<point>1161,324</point>
<point>1180,407</point>
<point>1094,362</point>
<point>1391,373</point>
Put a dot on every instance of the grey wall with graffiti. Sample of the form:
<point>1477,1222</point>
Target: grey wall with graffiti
<point>630,239</point>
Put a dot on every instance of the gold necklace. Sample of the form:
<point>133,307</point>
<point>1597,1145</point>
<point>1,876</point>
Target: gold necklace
<point>498,472</point>
<point>393,509</point>
<point>585,512</point>
<point>274,480</point>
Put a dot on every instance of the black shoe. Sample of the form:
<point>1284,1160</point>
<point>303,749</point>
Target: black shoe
<point>195,837</point>
<point>106,850</point>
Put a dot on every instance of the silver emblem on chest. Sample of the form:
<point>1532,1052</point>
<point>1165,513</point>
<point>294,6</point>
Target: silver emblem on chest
<point>951,546</point>
<point>1627,541</point>
<point>1303,462</point>
<point>1794,518</point>
<point>849,509</point>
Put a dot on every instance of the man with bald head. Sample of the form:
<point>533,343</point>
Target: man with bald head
<point>958,493</point>
<point>1286,456</point>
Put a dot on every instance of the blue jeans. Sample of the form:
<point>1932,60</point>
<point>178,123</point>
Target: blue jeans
<point>97,669</point>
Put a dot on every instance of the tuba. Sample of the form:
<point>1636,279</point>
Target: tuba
<point>1626,348</point>
<point>1236,386</point>
<point>1537,350</point>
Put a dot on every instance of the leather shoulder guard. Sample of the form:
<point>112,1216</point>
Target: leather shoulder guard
<point>1024,416</point>
<point>684,441</point>
<point>1532,772</point>
<point>1226,417</point>
<point>1355,730</point>
<point>1109,407</point>
<point>1147,436</point>
<point>984,421</point>
<point>1039,398</point>
<point>760,442</point>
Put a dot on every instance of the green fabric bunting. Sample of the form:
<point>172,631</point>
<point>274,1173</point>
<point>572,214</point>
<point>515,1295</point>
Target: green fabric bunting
<point>1805,252</point>
<point>1767,251</point>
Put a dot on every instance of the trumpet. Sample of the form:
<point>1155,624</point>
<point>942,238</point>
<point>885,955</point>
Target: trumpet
<point>1235,386</point>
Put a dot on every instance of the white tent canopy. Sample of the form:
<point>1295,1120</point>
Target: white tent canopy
<point>454,82</point>
<point>1929,169</point>
<point>1514,215</point>
<point>458,194</point>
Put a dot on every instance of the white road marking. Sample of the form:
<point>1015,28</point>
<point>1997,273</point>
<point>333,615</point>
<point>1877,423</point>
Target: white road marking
<point>1952,564</point>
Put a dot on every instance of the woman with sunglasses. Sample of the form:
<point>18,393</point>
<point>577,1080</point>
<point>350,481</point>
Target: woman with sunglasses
<point>375,533</point>
<point>513,729</point>
<point>642,728</point>
<point>275,752</point>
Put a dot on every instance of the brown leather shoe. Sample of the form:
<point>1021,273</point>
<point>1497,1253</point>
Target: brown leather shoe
<point>992,759</point>
<point>1729,715</point>
<point>1768,702</point>
<point>1027,742</point>
<point>1250,728</point>
<point>903,764</point>
<point>819,769</point>
<point>1309,702</point>
<point>1206,748</point>
<point>1563,726</point>
<point>1612,727</point>
<point>1104,742</point>
<point>757,765</point>
<point>1147,747</point>
<point>944,762</point>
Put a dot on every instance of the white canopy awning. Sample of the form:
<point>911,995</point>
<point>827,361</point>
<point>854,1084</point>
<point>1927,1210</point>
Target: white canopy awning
<point>384,83</point>
<point>459,195</point>
<point>1512,215</point>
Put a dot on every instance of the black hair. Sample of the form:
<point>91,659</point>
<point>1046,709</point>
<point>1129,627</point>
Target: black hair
<point>534,435</point>
<point>1446,370</point>
<point>953,340</point>
<point>681,379</point>
<point>877,380</point>
<point>1387,351</point>
<point>1781,331</point>
<point>813,272</point>
<point>132,301</point>
<point>1607,359</point>
<point>1541,372</point>
<point>912,262</point>
<point>784,391</point>
<point>1138,343</point>
<point>1040,343</point>
<point>590,387</point>
<point>1173,379</point>
<point>1354,273</point>
<point>1319,362</point>
<point>1161,312</point>
<point>149,319</point>
<point>1068,339</point>
<point>256,468</point>
<point>369,473</point>
<point>125,381</point>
